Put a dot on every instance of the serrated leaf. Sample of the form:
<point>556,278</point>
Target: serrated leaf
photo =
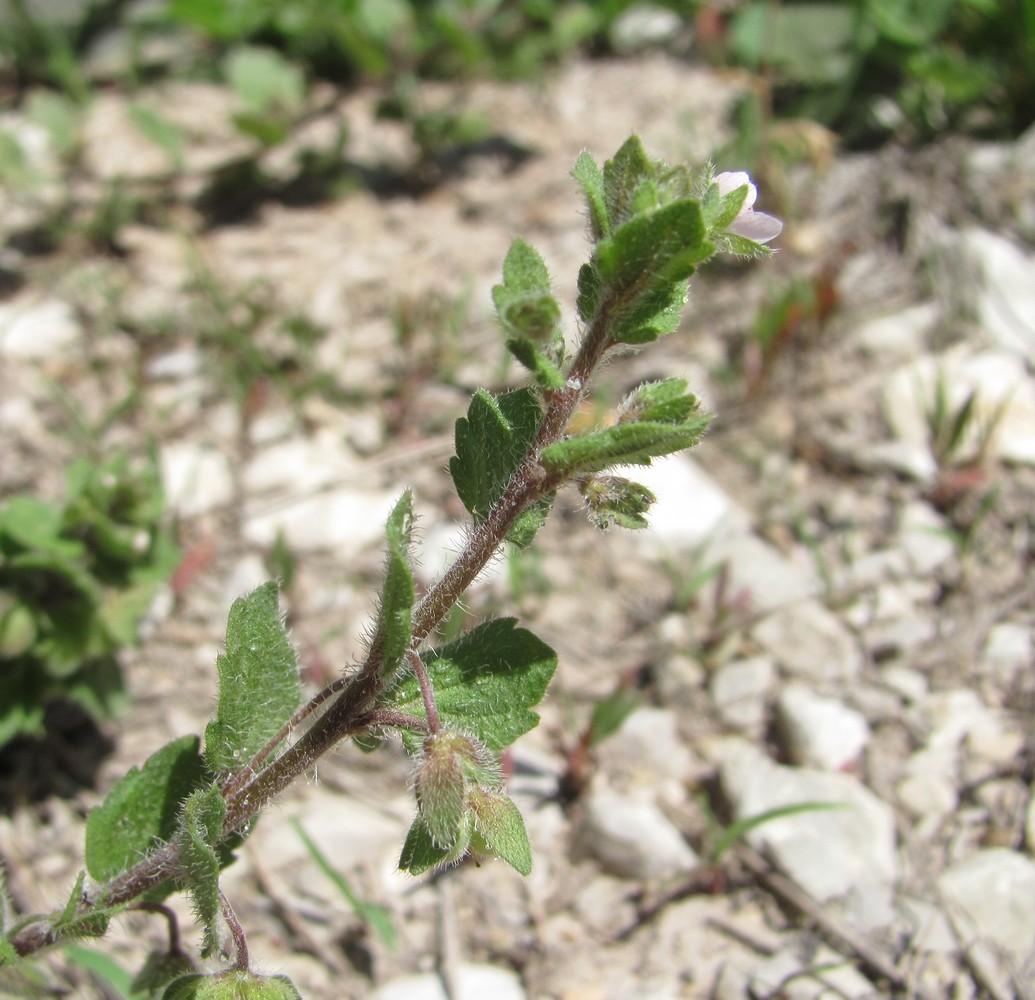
<point>259,689</point>
<point>393,631</point>
<point>501,826</point>
<point>491,442</point>
<point>591,180</point>
<point>526,308</point>
<point>486,682</point>
<point>201,832</point>
<point>624,444</point>
<point>654,249</point>
<point>142,810</point>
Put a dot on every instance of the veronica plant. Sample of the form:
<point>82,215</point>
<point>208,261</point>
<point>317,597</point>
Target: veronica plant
<point>172,824</point>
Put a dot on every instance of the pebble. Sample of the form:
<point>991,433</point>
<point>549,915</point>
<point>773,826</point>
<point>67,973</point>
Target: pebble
<point>680,485</point>
<point>647,751</point>
<point>37,329</point>
<point>759,573</point>
<point>994,889</point>
<point>740,688</point>
<point>196,478</point>
<point>928,786</point>
<point>633,838</point>
<point>900,336</point>
<point>820,732</point>
<point>810,642</point>
<point>845,853</point>
<point>1009,650</point>
<point>473,982</point>
<point>344,521</point>
<point>925,537</point>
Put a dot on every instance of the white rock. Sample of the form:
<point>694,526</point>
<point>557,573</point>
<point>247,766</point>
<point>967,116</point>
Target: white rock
<point>994,889</point>
<point>1004,293</point>
<point>909,684</point>
<point>901,335</point>
<point>831,853</point>
<point>690,504</point>
<point>474,982</point>
<point>929,782</point>
<point>245,575</point>
<point>904,458</point>
<point>647,749</point>
<point>37,329</point>
<point>181,363</point>
<point>643,25</point>
<point>1003,425</point>
<point>740,688</point>
<point>925,536</point>
<point>1009,649</point>
<point>633,838</point>
<point>959,715</point>
<point>345,521</point>
<point>760,573</point>
<point>820,732</point>
<point>299,466</point>
<point>196,478</point>
<point>785,974</point>
<point>810,642</point>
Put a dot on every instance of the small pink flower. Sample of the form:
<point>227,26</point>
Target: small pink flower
<point>752,225</point>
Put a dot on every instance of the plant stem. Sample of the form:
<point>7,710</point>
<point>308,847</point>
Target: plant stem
<point>354,709</point>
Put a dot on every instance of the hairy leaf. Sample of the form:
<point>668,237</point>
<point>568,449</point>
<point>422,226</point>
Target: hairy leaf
<point>420,853</point>
<point>500,825</point>
<point>259,688</point>
<point>143,808</point>
<point>591,180</point>
<point>78,921</point>
<point>486,682</point>
<point>628,182</point>
<point>392,635</point>
<point>491,441</point>
<point>654,249</point>
<point>623,444</point>
<point>234,984</point>
<point>201,831</point>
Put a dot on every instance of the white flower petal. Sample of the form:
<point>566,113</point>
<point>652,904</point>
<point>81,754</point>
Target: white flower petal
<point>756,226</point>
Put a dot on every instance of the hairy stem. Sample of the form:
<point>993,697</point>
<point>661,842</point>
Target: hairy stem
<point>354,709</point>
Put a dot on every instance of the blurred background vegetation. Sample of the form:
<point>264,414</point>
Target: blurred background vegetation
<point>868,69</point>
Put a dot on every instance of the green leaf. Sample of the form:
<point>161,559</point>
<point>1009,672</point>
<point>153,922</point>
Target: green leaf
<point>609,713</point>
<point>500,824</point>
<point>259,689</point>
<point>201,832</point>
<point>628,182</point>
<point>624,444</point>
<point>393,631</point>
<point>32,524</point>
<point>79,921</point>
<point>420,853</point>
<point>440,786</point>
<point>645,256</point>
<point>142,810</point>
<point>486,682</point>
<point>263,79</point>
<point>661,402</point>
<point>590,291</point>
<point>161,131</point>
<point>491,442</point>
<point>160,968</point>
<point>545,372</point>
<point>235,984</point>
<point>612,500</point>
<point>103,967</point>
<point>591,180</point>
